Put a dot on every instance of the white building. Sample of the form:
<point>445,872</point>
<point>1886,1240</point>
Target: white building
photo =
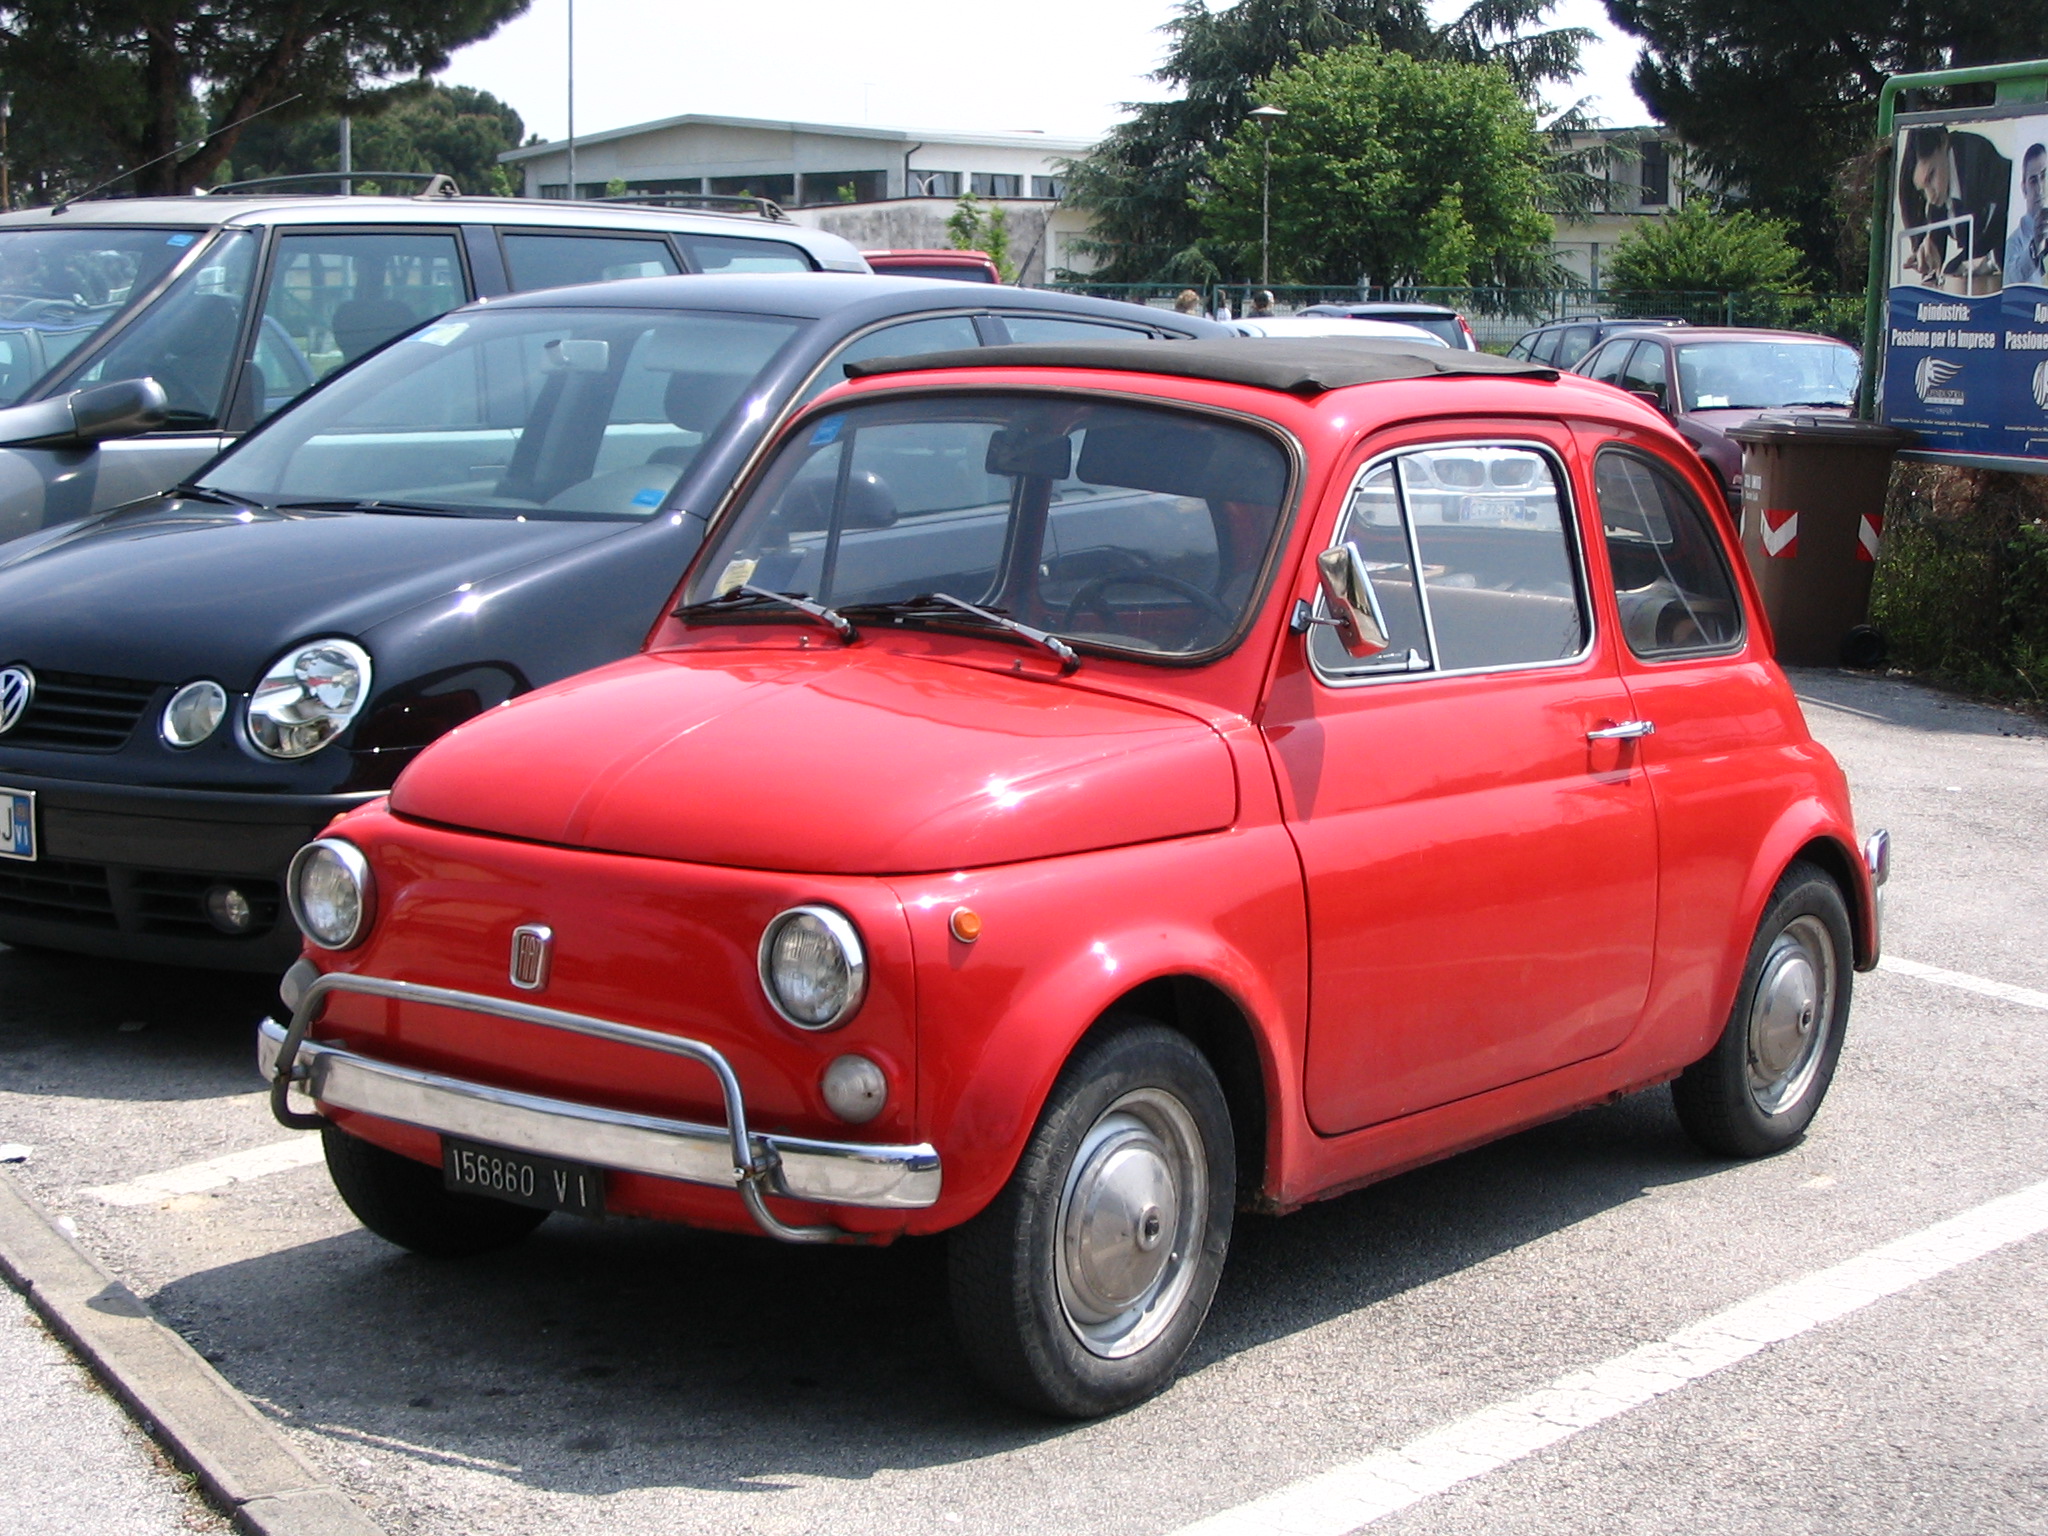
<point>882,188</point>
<point>1649,177</point>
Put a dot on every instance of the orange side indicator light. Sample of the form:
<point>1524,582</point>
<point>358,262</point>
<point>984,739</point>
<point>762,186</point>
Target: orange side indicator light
<point>966,924</point>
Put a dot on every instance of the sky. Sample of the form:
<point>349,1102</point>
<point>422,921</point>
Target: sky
<point>1059,66</point>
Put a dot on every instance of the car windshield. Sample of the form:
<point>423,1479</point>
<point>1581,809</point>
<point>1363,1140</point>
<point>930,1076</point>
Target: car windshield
<point>60,287</point>
<point>1130,528</point>
<point>1763,375</point>
<point>559,414</point>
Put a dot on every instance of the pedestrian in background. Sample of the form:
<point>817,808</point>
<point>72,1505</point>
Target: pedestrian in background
<point>1261,305</point>
<point>1189,303</point>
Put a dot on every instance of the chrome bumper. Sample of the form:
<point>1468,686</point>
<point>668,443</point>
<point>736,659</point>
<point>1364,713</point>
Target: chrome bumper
<point>1877,858</point>
<point>728,1156</point>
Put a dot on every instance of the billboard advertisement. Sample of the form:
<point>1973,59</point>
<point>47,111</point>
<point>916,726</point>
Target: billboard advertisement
<point>1966,333</point>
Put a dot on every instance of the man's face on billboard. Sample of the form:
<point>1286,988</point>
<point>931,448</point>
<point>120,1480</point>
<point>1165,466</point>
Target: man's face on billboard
<point>1931,178</point>
<point>2034,180</point>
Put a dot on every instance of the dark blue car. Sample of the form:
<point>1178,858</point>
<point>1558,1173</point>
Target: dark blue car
<point>190,687</point>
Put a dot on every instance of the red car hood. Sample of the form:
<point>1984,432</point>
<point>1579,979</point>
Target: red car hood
<point>855,762</point>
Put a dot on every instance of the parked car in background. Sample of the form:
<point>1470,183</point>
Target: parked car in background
<point>1563,342</point>
<point>237,303</point>
<point>1298,326</point>
<point>961,266</point>
<point>192,686</point>
<point>1217,777</point>
<point>1438,319</point>
<point>1709,379</point>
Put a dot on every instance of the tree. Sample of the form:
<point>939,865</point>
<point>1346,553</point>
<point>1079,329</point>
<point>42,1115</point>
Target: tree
<point>1389,170</point>
<point>975,226</point>
<point>420,126</point>
<point>1699,250</point>
<point>134,78</point>
<point>1777,100</point>
<point>1141,181</point>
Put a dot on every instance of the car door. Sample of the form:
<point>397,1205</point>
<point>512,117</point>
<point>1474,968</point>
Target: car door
<point>1715,764</point>
<point>1480,862</point>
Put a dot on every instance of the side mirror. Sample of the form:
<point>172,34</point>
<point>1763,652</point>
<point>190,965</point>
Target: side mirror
<point>1651,398</point>
<point>1354,606</point>
<point>84,417</point>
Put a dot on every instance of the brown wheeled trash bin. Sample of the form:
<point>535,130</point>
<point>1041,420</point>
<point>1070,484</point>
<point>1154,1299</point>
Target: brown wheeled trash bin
<point>1813,490</point>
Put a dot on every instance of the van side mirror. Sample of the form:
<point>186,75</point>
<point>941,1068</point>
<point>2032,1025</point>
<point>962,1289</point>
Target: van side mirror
<point>1354,606</point>
<point>125,408</point>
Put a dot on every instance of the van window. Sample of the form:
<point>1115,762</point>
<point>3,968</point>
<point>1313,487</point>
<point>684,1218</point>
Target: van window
<point>557,261</point>
<point>728,253</point>
<point>60,287</point>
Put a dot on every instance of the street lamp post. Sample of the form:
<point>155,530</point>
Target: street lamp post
<point>572,101</point>
<point>1265,115</point>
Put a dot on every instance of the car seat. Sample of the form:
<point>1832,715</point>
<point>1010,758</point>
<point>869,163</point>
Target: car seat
<point>362,325</point>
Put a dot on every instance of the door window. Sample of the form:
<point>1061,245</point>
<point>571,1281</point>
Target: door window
<point>334,297</point>
<point>1645,371</point>
<point>186,340</point>
<point>1671,576</point>
<point>943,333</point>
<point>1607,362</point>
<point>1470,554</point>
<point>1027,330</point>
<point>1544,347</point>
<point>732,253</point>
<point>1577,342</point>
<point>560,261</point>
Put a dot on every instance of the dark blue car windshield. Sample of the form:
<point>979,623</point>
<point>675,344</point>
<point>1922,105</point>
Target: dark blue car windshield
<point>553,414</point>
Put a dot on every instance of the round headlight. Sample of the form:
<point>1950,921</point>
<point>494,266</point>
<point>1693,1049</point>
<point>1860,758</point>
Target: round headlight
<point>194,712</point>
<point>332,895</point>
<point>308,697</point>
<point>813,968</point>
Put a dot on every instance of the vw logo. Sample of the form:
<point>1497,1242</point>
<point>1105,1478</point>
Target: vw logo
<point>17,687</point>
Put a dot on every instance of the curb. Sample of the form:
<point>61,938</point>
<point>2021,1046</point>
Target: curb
<point>209,1428</point>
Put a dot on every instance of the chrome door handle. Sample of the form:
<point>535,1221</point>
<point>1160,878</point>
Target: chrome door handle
<point>1626,730</point>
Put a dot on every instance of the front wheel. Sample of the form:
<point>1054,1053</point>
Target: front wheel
<point>403,1202</point>
<point>1082,1285</point>
<point>1757,1090</point>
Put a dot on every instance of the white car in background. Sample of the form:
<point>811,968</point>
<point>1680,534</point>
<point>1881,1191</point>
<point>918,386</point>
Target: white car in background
<point>1295,326</point>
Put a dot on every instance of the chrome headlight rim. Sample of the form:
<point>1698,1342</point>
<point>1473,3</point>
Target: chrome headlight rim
<point>358,867</point>
<point>840,928</point>
<point>357,656</point>
<point>198,688</point>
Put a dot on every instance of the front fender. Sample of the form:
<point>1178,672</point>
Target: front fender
<point>1064,939</point>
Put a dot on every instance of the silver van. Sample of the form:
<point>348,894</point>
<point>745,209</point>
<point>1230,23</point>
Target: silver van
<point>235,303</point>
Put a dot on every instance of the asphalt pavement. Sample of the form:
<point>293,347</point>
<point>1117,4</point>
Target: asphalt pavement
<point>630,1378</point>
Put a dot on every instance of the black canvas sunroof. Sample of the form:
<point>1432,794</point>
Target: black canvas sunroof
<point>1309,366</point>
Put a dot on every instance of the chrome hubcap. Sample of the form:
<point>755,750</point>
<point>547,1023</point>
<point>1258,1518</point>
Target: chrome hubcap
<point>1131,1219</point>
<point>1789,1014</point>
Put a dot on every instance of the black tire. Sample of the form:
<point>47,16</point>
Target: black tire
<point>403,1202</point>
<point>1757,1090</point>
<point>1136,1103</point>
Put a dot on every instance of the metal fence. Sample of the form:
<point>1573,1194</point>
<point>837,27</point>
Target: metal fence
<point>1499,315</point>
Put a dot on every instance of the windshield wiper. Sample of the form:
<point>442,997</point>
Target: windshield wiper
<point>913,607</point>
<point>747,595</point>
<point>346,504</point>
<point>207,493</point>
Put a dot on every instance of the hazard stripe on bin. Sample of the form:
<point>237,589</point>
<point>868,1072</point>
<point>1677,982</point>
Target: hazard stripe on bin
<point>1781,533</point>
<point>1867,534</point>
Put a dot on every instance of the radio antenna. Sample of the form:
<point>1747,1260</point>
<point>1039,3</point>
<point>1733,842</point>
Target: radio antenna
<point>79,197</point>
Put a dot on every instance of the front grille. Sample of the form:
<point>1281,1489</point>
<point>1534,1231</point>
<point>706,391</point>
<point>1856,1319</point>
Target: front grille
<point>58,892</point>
<point>72,712</point>
<point>176,904</point>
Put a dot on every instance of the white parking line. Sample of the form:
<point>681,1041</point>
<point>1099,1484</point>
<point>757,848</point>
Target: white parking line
<point>214,1173</point>
<point>2004,991</point>
<point>1350,1497</point>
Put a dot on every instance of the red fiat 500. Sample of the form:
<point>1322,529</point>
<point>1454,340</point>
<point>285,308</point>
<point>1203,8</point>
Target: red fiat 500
<point>1084,792</point>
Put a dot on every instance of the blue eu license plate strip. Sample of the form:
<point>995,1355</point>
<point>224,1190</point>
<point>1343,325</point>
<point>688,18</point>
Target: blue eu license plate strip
<point>18,824</point>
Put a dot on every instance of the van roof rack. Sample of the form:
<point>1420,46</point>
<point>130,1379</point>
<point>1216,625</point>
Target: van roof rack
<point>340,183</point>
<point>709,202</point>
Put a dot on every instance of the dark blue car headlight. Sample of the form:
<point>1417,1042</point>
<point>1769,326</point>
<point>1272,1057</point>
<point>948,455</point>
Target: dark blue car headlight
<point>308,697</point>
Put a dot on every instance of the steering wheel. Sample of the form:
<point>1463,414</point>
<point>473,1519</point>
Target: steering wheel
<point>1092,589</point>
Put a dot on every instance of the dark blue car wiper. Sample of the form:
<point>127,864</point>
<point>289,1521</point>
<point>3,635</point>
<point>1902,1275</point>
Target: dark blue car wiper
<point>346,504</point>
<point>219,498</point>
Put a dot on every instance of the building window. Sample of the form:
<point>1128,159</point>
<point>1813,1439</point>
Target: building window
<point>1656,174</point>
<point>781,189</point>
<point>692,185</point>
<point>822,188</point>
<point>987,184</point>
<point>556,189</point>
<point>932,184</point>
<point>1053,187</point>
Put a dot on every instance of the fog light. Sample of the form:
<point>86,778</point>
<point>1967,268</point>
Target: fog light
<point>855,1089</point>
<point>193,714</point>
<point>229,910</point>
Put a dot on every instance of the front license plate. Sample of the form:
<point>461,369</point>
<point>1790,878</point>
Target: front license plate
<point>471,1168</point>
<point>18,824</point>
